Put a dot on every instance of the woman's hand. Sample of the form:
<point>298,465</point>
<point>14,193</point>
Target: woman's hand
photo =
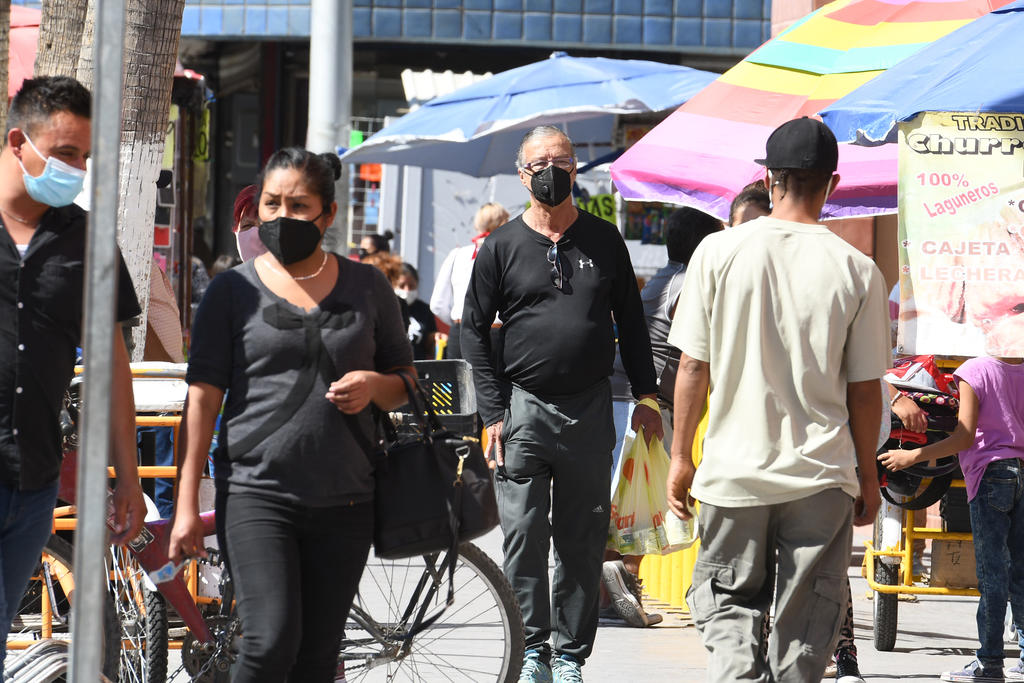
<point>899,459</point>
<point>910,414</point>
<point>354,391</point>
<point>186,538</point>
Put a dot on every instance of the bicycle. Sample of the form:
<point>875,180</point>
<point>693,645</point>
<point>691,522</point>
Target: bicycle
<point>484,628</point>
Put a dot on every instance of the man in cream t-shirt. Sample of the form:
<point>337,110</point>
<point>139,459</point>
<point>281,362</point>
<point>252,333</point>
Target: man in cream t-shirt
<point>787,325</point>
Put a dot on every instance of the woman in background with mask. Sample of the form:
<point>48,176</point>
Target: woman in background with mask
<point>301,342</point>
<point>422,328</point>
<point>247,238</point>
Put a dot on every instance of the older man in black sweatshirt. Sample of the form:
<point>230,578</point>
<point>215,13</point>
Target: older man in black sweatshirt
<point>556,276</point>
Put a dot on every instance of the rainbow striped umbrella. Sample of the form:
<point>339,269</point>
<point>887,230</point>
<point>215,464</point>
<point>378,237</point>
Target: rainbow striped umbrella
<point>702,154</point>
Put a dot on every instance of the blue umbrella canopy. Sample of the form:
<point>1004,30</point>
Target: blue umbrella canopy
<point>977,68</point>
<point>477,129</point>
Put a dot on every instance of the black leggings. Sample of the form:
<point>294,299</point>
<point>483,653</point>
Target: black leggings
<point>295,571</point>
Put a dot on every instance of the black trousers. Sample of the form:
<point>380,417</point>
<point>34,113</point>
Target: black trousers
<point>295,570</point>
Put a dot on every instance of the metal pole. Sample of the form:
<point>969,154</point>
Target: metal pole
<point>330,97</point>
<point>100,293</point>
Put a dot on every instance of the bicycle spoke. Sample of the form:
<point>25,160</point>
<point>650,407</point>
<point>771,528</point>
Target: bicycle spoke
<point>478,638</point>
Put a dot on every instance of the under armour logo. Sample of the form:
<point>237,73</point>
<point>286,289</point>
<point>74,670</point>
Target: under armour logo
<point>588,262</point>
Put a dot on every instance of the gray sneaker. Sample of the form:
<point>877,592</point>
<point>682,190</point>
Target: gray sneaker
<point>1015,672</point>
<point>625,592</point>
<point>534,669</point>
<point>566,669</point>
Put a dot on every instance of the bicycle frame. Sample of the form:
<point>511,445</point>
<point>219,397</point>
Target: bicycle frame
<point>150,549</point>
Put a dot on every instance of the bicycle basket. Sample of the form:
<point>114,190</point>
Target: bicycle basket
<point>448,385</point>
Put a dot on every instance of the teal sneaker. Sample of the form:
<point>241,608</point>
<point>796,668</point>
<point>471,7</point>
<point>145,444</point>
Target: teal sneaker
<point>534,669</point>
<point>566,669</point>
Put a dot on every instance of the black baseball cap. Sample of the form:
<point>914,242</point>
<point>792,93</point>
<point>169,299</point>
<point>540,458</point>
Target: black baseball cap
<point>801,143</point>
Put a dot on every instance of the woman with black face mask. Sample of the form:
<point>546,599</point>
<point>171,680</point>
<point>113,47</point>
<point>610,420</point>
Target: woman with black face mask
<point>300,342</point>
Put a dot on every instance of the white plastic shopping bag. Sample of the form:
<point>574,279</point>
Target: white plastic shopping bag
<point>641,522</point>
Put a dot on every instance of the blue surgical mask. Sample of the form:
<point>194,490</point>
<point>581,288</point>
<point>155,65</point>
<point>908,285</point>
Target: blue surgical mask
<point>59,183</point>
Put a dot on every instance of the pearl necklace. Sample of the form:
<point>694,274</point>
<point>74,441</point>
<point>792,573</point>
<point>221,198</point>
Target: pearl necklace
<point>301,277</point>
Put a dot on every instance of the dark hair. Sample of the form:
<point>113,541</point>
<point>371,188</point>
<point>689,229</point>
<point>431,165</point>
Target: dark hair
<point>381,241</point>
<point>223,262</point>
<point>754,193</point>
<point>801,182</point>
<point>40,98</point>
<point>409,270</point>
<point>684,230</point>
<point>320,170</point>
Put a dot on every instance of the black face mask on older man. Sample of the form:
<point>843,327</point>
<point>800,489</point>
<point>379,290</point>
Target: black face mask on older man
<point>551,186</point>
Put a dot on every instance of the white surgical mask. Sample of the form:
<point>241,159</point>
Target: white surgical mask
<point>407,295</point>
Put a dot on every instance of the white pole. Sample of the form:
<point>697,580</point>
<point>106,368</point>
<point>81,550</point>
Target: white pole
<point>100,293</point>
<point>330,97</point>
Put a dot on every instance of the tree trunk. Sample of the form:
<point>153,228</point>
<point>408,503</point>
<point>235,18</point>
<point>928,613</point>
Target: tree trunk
<point>152,30</point>
<point>5,55</point>
<point>83,61</point>
<point>60,37</point>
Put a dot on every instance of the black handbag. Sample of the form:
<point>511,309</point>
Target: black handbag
<point>433,489</point>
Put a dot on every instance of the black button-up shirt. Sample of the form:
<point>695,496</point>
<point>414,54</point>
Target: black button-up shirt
<point>41,312</point>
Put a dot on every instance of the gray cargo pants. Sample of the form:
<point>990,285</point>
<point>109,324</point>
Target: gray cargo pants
<point>557,459</point>
<point>801,550</point>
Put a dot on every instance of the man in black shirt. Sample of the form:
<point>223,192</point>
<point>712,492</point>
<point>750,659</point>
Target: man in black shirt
<point>42,248</point>
<point>555,276</point>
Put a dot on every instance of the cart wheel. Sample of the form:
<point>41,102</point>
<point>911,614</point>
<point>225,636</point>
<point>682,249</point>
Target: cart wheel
<point>885,607</point>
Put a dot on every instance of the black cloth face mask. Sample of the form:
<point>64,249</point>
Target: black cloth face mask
<point>290,239</point>
<point>551,186</point>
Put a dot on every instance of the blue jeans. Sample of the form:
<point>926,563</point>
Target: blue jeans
<point>26,518</point>
<point>997,520</point>
<point>163,456</point>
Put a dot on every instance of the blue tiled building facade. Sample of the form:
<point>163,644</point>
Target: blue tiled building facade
<point>664,25</point>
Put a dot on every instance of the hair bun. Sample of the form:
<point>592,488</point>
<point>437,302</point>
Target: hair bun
<point>388,235</point>
<point>333,162</point>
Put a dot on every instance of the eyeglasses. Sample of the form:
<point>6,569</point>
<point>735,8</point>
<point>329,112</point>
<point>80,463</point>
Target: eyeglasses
<point>538,165</point>
<point>556,266</point>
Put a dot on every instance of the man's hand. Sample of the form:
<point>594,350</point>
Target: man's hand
<point>899,459</point>
<point>680,479</point>
<point>494,444</point>
<point>648,418</point>
<point>129,510</point>
<point>866,505</point>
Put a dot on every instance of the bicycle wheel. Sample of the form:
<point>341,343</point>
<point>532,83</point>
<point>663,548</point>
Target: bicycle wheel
<point>479,638</point>
<point>45,609</point>
<point>142,615</point>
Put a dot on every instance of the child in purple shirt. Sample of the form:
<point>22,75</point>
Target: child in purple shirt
<point>989,437</point>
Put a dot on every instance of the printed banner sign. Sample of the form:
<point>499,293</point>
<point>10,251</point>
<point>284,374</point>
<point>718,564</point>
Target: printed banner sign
<point>961,231</point>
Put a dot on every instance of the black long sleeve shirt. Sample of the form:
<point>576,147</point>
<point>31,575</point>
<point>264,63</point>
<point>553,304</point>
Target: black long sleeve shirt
<point>556,342</point>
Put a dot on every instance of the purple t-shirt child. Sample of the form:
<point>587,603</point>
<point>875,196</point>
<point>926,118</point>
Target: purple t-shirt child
<point>1000,434</point>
